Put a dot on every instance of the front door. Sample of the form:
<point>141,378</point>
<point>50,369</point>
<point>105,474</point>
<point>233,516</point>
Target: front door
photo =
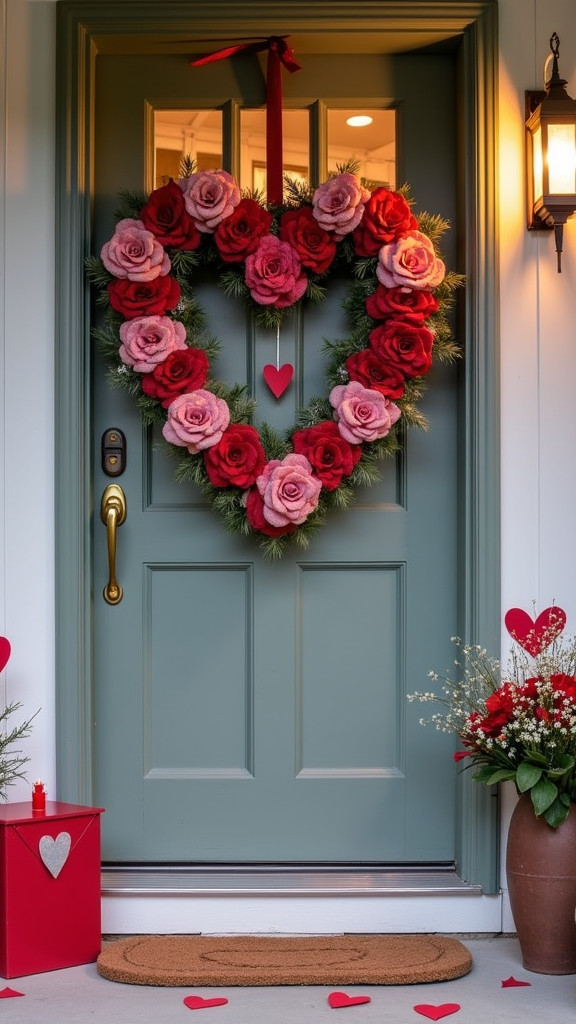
<point>255,711</point>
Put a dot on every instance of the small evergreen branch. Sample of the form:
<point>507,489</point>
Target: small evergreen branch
<point>12,760</point>
<point>132,203</point>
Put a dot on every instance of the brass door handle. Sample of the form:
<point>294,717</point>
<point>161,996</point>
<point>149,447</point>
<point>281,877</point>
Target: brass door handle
<point>112,514</point>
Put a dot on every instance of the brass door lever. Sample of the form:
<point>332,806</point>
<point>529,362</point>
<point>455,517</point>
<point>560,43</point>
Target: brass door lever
<point>112,514</point>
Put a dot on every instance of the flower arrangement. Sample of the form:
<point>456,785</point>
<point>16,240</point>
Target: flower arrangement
<point>520,724</point>
<point>274,257</point>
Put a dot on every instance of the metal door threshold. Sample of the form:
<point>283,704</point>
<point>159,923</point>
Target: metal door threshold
<point>298,880</point>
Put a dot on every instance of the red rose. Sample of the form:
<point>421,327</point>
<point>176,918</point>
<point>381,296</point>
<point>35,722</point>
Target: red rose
<point>386,217</point>
<point>183,370</point>
<point>238,235</point>
<point>329,454</point>
<point>404,346</point>
<point>564,686</point>
<point>166,217</point>
<point>407,303</point>
<point>255,516</point>
<point>144,298</point>
<point>315,246</point>
<point>237,459</point>
<point>369,369</point>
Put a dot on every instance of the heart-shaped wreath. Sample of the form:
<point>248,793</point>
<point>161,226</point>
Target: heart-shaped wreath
<point>154,335</point>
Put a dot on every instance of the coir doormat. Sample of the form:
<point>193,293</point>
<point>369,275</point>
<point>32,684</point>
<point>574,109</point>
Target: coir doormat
<point>248,960</point>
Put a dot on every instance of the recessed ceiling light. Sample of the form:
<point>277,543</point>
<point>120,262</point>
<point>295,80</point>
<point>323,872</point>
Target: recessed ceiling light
<point>359,120</point>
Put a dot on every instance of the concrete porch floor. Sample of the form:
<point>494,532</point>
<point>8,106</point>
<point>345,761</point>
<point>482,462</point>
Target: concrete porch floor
<point>78,995</point>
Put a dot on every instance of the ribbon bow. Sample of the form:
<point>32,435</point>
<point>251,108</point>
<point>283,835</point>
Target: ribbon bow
<point>280,54</point>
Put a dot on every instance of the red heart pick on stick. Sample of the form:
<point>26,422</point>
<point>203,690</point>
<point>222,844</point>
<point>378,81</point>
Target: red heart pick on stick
<point>535,636</point>
<point>198,1003</point>
<point>4,652</point>
<point>337,999</point>
<point>437,1012</point>
<point>278,378</point>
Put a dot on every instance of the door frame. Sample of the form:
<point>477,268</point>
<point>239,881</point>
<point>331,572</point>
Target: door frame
<point>86,28</point>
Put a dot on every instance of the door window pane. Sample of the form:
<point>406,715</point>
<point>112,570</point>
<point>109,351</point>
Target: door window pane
<point>372,142</point>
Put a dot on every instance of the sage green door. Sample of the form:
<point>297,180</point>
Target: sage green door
<point>248,711</point>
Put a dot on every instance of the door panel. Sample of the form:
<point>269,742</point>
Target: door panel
<point>255,711</point>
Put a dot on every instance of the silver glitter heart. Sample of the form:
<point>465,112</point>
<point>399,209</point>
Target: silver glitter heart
<point>54,852</point>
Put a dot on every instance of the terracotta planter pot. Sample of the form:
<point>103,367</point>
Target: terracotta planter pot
<point>541,870</point>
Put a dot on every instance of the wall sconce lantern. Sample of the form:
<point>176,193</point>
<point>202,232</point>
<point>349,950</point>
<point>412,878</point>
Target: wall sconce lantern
<point>551,153</point>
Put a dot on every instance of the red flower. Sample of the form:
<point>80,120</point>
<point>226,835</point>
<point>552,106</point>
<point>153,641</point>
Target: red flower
<point>564,686</point>
<point>166,217</point>
<point>329,454</point>
<point>407,303</point>
<point>239,234</point>
<point>404,346</point>
<point>182,371</point>
<point>315,246</point>
<point>459,755</point>
<point>143,298</point>
<point>386,217</point>
<point>255,516</point>
<point>368,368</point>
<point>237,459</point>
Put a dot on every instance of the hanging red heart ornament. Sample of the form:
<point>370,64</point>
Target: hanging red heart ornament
<point>278,378</point>
<point>535,635</point>
<point>5,650</point>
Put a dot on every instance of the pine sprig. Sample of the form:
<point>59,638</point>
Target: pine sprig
<point>12,759</point>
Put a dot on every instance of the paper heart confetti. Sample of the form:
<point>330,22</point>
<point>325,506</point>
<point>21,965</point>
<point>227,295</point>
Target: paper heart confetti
<point>9,993</point>
<point>198,1003</point>
<point>278,378</point>
<point>54,852</point>
<point>4,652</point>
<point>512,982</point>
<point>437,1012</point>
<point>535,636</point>
<point>337,999</point>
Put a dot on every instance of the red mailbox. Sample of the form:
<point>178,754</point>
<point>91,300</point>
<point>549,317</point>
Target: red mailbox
<point>49,887</point>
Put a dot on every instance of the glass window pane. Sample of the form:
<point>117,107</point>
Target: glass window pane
<point>561,159</point>
<point>372,142</point>
<point>186,133</point>
<point>295,147</point>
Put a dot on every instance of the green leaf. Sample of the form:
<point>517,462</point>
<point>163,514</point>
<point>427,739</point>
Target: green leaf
<point>543,795</point>
<point>500,775</point>
<point>566,765</point>
<point>557,813</point>
<point>527,775</point>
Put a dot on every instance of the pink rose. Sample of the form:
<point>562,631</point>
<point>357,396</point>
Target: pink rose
<point>339,204</point>
<point>134,252</point>
<point>289,490</point>
<point>147,340</point>
<point>209,197</point>
<point>361,413</point>
<point>411,261</point>
<point>196,420</point>
<point>274,275</point>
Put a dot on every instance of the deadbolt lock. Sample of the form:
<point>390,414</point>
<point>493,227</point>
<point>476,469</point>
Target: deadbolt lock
<point>113,452</point>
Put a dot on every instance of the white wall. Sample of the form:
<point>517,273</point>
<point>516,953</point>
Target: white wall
<point>538,342</point>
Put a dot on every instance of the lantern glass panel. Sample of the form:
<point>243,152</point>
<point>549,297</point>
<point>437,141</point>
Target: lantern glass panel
<point>537,163</point>
<point>562,159</point>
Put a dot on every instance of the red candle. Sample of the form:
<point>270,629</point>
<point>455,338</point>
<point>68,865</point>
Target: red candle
<point>38,797</point>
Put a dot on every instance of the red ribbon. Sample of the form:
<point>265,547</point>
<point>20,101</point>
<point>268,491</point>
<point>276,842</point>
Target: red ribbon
<point>280,54</point>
